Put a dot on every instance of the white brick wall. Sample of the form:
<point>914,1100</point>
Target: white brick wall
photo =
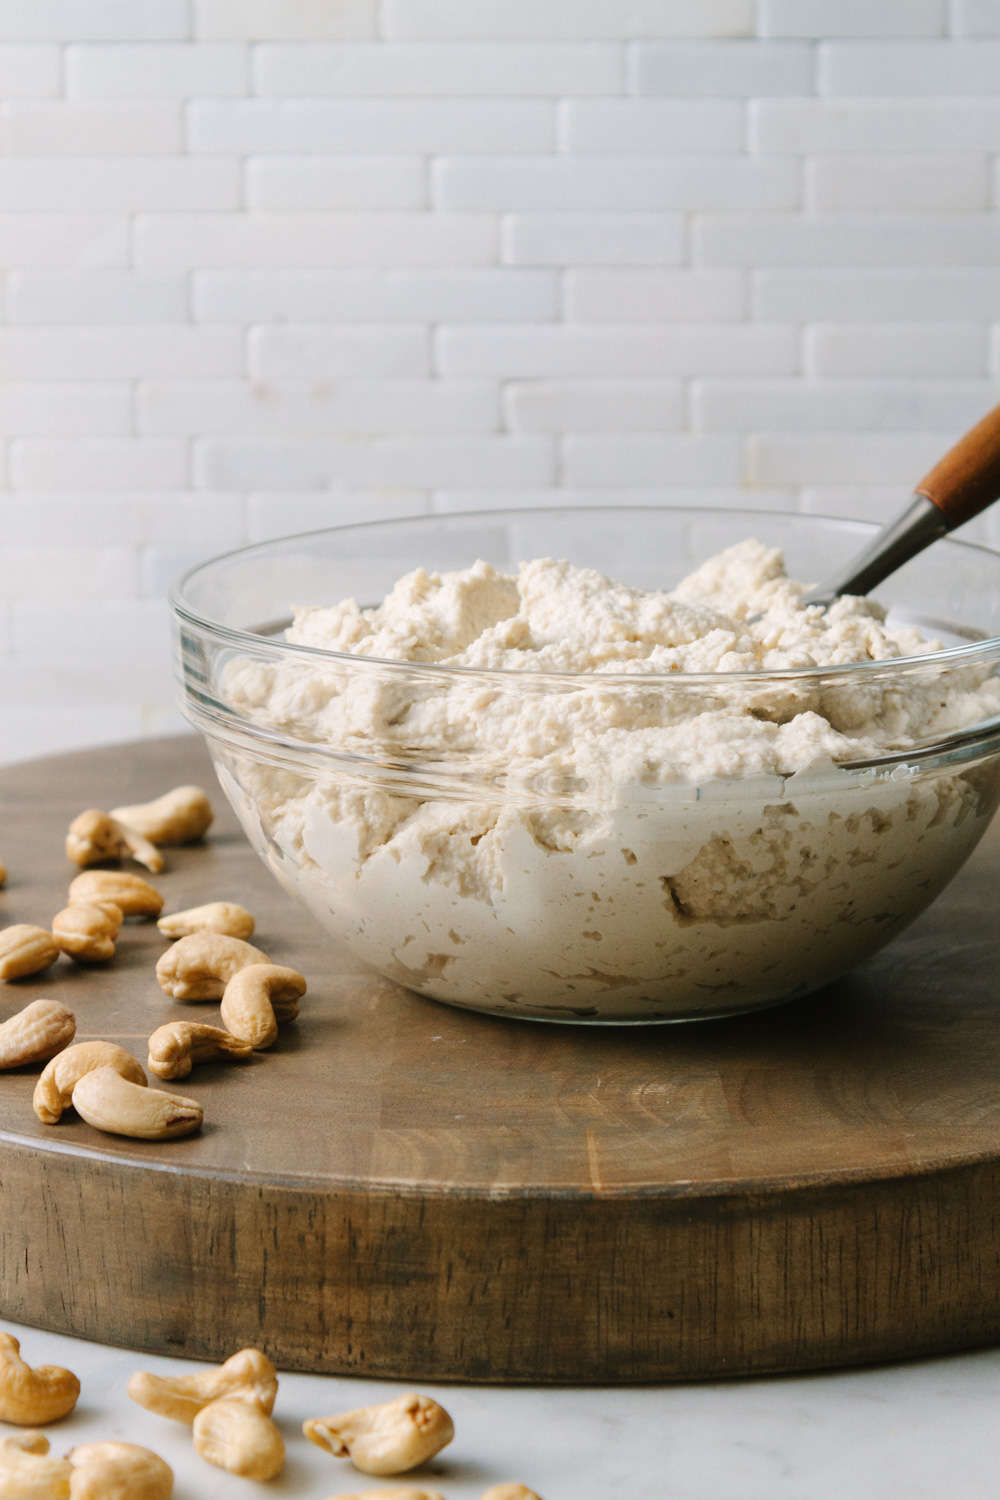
<point>267,265</point>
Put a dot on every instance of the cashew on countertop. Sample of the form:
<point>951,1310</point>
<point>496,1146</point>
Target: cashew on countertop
<point>26,949</point>
<point>228,1408</point>
<point>237,1436</point>
<point>257,998</point>
<point>110,1102</point>
<point>28,1469</point>
<point>87,933</point>
<point>509,1492</point>
<point>36,1033</point>
<point>94,836</point>
<point>33,1398</point>
<point>177,1046</point>
<point>200,966</point>
<point>54,1089</point>
<point>247,1376</point>
<point>134,896</point>
<point>387,1439</point>
<point>397,1492</point>
<point>118,1471</point>
<point>178,817</point>
<point>226,917</point>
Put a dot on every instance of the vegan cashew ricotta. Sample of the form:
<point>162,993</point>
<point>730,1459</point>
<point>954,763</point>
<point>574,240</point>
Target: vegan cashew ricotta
<point>614,809</point>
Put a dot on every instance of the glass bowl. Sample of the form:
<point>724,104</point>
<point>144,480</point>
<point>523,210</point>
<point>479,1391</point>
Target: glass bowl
<point>535,889</point>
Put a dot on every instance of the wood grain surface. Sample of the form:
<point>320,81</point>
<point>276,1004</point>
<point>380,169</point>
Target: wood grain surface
<point>402,1189</point>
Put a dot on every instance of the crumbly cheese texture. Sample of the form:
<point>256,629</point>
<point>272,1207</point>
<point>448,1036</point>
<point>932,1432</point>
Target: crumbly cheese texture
<point>625,841</point>
<point>553,617</point>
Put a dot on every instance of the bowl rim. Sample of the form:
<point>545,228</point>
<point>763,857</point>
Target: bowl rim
<point>251,640</point>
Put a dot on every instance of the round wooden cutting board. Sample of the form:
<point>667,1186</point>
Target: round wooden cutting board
<point>407,1190</point>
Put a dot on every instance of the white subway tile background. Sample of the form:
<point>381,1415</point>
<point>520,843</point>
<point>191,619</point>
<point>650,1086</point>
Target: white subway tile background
<point>267,265</point>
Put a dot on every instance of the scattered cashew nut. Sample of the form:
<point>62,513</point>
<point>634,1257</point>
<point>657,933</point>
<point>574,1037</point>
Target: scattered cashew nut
<point>404,1492</point>
<point>238,1437</point>
<point>133,895</point>
<point>248,1376</point>
<point>33,1398</point>
<point>176,1047</point>
<point>218,916</point>
<point>54,1089</point>
<point>27,1470</point>
<point>178,817</point>
<point>110,1102</point>
<point>509,1492</point>
<point>387,1439</point>
<point>257,998</point>
<point>36,1033</point>
<point>200,966</point>
<point>118,1471</point>
<point>87,933</point>
<point>26,949</point>
<point>94,836</point>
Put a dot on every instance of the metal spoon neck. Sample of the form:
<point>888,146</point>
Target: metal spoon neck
<point>920,524</point>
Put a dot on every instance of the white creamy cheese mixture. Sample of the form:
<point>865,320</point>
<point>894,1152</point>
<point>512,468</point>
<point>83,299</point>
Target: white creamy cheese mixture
<point>616,844</point>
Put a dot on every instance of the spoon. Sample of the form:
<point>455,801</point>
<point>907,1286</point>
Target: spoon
<point>960,485</point>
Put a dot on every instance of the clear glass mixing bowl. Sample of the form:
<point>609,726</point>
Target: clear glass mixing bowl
<point>527,892</point>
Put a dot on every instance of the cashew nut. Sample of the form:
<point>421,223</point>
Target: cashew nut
<point>257,998</point>
<point>236,1436</point>
<point>26,949</point>
<point>178,817</point>
<point>200,966</point>
<point>387,1439</point>
<point>3,873</point>
<point>27,1472</point>
<point>248,1376</point>
<point>398,1492</point>
<point>174,1048</point>
<point>218,916</point>
<point>95,836</point>
<point>33,1398</point>
<point>36,1033</point>
<point>54,1089</point>
<point>135,896</point>
<point>110,1102</point>
<point>87,933</point>
<point>118,1471</point>
<point>509,1492</point>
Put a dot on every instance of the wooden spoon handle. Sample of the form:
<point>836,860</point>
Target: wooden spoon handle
<point>967,479</point>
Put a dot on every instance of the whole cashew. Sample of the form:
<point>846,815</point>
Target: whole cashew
<point>36,1033</point>
<point>95,836</point>
<point>248,1376</point>
<point>118,1471</point>
<point>178,817</point>
<point>398,1492</point>
<point>218,916</point>
<point>26,949</point>
<point>257,998</point>
<point>27,1472</point>
<point>509,1492</point>
<point>176,1047</point>
<point>54,1089</point>
<point>87,933</point>
<point>200,966</point>
<point>109,1102</point>
<point>135,896</point>
<point>236,1436</point>
<point>387,1439</point>
<point>33,1398</point>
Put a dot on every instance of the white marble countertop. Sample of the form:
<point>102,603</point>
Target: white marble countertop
<point>925,1430</point>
